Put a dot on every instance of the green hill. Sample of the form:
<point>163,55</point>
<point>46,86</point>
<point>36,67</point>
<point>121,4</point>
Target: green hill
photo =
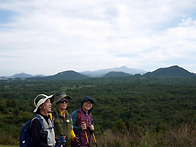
<point>173,71</point>
<point>65,75</point>
<point>116,74</point>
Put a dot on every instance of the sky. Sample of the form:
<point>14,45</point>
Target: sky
<point>50,36</point>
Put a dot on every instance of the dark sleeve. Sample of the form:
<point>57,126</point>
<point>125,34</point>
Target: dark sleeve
<point>92,121</point>
<point>74,119</point>
<point>35,137</point>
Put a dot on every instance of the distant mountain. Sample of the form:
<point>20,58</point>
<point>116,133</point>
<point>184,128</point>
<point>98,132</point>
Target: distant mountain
<point>4,78</point>
<point>39,75</point>
<point>102,72</point>
<point>21,75</point>
<point>173,71</point>
<point>116,74</point>
<point>66,75</point>
<point>24,75</point>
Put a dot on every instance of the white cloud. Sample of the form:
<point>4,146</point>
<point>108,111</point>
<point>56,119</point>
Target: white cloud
<point>46,37</point>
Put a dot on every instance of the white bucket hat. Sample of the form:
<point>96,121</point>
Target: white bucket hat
<point>40,99</point>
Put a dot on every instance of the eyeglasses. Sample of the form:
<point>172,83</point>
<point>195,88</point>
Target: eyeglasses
<point>62,101</point>
<point>89,102</point>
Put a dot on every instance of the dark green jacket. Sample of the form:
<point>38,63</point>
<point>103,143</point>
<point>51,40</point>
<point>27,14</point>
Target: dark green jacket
<point>63,126</point>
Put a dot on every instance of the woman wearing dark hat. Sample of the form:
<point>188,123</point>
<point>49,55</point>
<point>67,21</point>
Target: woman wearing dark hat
<point>62,120</point>
<point>83,122</point>
<point>42,137</point>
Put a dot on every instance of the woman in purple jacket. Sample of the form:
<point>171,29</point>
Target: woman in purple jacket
<point>83,122</point>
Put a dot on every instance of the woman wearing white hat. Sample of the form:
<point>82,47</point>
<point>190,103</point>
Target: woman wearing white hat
<point>42,137</point>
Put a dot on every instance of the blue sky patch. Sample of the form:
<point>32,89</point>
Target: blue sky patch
<point>5,16</point>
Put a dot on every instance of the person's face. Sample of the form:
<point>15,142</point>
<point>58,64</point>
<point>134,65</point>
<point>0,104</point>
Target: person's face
<point>47,106</point>
<point>62,104</point>
<point>87,106</point>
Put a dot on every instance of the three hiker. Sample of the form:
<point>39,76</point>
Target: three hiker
<point>59,130</point>
<point>83,122</point>
<point>42,137</point>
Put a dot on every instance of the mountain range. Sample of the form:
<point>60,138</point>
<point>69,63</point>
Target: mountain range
<point>173,71</point>
<point>102,72</point>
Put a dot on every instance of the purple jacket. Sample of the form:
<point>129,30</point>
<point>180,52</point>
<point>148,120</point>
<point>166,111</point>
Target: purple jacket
<point>79,117</point>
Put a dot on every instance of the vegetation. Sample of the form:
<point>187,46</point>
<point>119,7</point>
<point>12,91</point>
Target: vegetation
<point>7,146</point>
<point>128,111</point>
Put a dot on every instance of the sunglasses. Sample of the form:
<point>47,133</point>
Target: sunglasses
<point>62,101</point>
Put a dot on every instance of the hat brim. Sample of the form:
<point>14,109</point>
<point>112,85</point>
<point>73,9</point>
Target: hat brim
<point>58,98</point>
<point>43,101</point>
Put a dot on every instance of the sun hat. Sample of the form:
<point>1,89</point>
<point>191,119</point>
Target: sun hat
<point>40,99</point>
<point>59,96</point>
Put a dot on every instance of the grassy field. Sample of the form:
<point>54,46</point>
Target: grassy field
<point>7,146</point>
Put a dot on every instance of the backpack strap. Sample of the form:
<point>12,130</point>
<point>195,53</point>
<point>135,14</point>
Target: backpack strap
<point>78,114</point>
<point>42,124</point>
<point>40,120</point>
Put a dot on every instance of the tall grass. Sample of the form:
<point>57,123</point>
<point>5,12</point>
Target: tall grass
<point>8,146</point>
<point>8,139</point>
<point>180,136</point>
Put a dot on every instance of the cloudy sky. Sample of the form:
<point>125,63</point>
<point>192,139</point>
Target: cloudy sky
<point>50,36</point>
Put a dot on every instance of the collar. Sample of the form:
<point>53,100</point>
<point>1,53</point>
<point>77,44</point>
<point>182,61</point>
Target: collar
<point>62,113</point>
<point>86,113</point>
<point>45,117</point>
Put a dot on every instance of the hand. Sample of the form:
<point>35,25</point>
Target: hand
<point>83,126</point>
<point>91,127</point>
<point>76,139</point>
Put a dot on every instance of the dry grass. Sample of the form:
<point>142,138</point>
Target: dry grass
<point>8,140</point>
<point>182,136</point>
<point>8,146</point>
<point>114,139</point>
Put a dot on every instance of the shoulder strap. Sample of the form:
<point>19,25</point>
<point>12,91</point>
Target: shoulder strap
<point>40,120</point>
<point>78,114</point>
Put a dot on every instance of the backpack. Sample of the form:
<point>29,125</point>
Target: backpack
<point>25,138</point>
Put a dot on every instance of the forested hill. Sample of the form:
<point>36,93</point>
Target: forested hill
<point>66,75</point>
<point>173,71</point>
<point>116,74</point>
